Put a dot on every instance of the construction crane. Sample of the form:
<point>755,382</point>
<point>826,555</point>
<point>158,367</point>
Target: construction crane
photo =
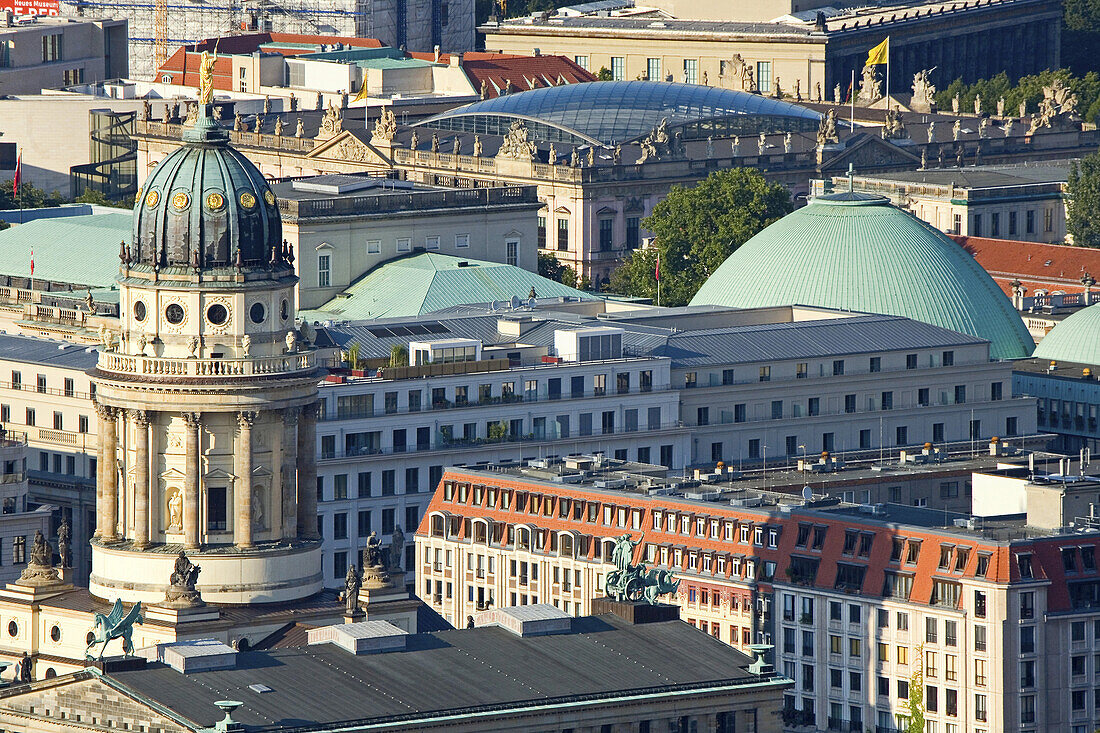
<point>160,34</point>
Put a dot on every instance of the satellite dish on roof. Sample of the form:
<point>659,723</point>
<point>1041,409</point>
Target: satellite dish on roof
<point>531,302</point>
<point>496,305</point>
<point>807,493</point>
<point>515,302</point>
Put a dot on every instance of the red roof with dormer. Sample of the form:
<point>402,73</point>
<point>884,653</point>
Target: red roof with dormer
<point>928,554</point>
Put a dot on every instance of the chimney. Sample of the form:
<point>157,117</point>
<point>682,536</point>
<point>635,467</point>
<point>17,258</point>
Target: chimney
<point>437,53</point>
<point>456,60</point>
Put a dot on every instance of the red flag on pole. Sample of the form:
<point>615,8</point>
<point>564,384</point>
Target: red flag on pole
<point>32,263</point>
<point>657,269</point>
<point>18,174</point>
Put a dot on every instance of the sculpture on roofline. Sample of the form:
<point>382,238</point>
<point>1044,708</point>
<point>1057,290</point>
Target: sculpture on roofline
<point>826,131</point>
<point>397,550</point>
<point>515,143</point>
<point>352,584</point>
<point>631,583</point>
<point>116,625</point>
<point>386,126</point>
<point>924,91</point>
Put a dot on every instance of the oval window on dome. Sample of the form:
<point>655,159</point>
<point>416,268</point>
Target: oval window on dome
<point>217,314</point>
<point>284,309</point>
<point>151,199</point>
<point>174,314</point>
<point>215,201</point>
<point>257,312</point>
<point>248,201</point>
<point>13,628</point>
<point>139,310</point>
<point>55,632</point>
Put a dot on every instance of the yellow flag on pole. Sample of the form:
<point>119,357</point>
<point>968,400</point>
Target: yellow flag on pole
<point>880,54</point>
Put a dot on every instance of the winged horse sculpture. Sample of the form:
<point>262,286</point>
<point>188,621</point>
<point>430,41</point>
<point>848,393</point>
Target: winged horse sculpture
<point>116,625</point>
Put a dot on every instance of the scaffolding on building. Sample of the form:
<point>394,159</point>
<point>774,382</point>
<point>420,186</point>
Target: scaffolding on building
<point>158,27</point>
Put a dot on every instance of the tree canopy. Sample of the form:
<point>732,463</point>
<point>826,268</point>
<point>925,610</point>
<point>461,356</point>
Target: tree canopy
<point>30,197</point>
<point>696,229</point>
<point>1081,35</point>
<point>1027,89</point>
<point>1083,201</point>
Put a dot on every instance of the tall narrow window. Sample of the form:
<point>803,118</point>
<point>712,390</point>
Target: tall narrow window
<point>215,508</point>
<point>324,270</point>
<point>563,235</point>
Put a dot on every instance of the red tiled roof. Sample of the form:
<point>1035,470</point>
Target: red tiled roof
<point>246,44</point>
<point>1038,266</point>
<point>523,72</point>
<point>1002,568</point>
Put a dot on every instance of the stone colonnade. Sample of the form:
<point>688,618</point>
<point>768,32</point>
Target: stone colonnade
<point>295,448</point>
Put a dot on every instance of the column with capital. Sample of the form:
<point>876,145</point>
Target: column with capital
<point>307,473</point>
<point>107,495</point>
<point>242,491</point>
<point>140,421</point>
<point>289,473</point>
<point>191,480</point>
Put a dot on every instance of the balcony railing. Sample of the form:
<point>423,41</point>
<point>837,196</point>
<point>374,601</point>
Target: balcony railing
<point>152,366</point>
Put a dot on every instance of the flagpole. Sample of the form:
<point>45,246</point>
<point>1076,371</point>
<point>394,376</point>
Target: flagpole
<point>887,72</point>
<point>852,97</point>
<point>658,278</point>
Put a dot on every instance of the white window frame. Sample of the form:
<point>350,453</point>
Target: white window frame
<point>324,270</point>
<point>374,246</point>
<point>403,244</point>
<point>431,243</point>
<point>462,241</point>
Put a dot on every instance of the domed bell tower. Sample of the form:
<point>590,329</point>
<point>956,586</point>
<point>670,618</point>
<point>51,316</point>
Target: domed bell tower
<point>207,397</point>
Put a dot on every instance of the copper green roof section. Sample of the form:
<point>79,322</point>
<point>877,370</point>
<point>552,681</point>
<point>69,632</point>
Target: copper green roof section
<point>857,252</point>
<point>1076,339</point>
<point>73,249</point>
<point>428,282</point>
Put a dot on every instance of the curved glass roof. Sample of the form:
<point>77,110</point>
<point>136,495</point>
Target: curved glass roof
<point>612,112</point>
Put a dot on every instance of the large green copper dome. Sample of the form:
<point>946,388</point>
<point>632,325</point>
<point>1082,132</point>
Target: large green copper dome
<point>1076,339</point>
<point>205,205</point>
<point>857,252</point>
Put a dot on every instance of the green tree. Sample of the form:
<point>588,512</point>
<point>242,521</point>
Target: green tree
<point>353,355</point>
<point>1083,201</point>
<point>498,431</point>
<point>554,269</point>
<point>696,229</point>
<point>91,196</point>
<point>916,692</point>
<point>399,356</point>
<point>604,74</point>
<point>30,197</point>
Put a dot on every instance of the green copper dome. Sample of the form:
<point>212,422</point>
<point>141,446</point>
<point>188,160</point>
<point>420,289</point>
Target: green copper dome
<point>1076,339</point>
<point>205,206</point>
<point>857,252</point>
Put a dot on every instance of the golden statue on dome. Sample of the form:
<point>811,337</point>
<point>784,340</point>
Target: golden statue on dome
<point>206,76</point>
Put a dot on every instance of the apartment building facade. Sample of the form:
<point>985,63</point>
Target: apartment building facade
<point>997,615</point>
<point>46,396</point>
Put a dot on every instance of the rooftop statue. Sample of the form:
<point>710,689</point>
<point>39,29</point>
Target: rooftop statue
<point>629,582</point>
<point>515,143</point>
<point>206,76</point>
<point>116,625</point>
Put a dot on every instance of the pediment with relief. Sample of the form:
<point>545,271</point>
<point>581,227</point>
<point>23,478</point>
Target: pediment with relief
<point>347,147</point>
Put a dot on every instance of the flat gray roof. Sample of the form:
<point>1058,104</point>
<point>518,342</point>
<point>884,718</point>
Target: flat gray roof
<point>451,672</point>
<point>43,351</point>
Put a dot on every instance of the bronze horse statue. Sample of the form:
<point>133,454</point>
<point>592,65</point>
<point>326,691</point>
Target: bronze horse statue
<point>116,625</point>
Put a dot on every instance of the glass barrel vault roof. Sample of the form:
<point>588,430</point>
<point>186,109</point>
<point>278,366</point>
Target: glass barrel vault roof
<point>618,111</point>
